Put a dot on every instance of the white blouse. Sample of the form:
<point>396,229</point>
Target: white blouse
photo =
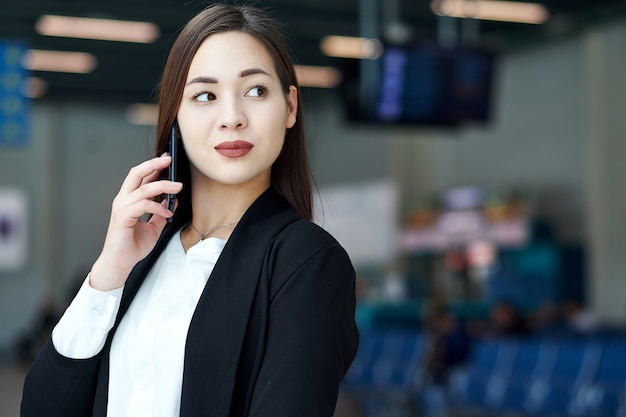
<point>147,351</point>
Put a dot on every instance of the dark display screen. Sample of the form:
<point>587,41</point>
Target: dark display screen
<point>427,85</point>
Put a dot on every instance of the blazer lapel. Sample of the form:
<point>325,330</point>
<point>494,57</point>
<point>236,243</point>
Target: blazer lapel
<point>218,327</point>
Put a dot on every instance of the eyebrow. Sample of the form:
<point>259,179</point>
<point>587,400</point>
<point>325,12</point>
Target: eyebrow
<point>242,74</point>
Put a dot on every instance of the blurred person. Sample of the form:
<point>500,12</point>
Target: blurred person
<point>30,342</point>
<point>506,320</point>
<point>241,306</point>
<point>579,320</point>
<point>449,345</point>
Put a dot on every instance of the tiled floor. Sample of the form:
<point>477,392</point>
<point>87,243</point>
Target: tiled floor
<point>11,380</point>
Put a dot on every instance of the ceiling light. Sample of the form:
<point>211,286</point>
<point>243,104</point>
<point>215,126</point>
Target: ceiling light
<point>351,47</point>
<point>321,77</point>
<point>505,11</point>
<point>103,29</point>
<point>142,114</point>
<point>59,61</point>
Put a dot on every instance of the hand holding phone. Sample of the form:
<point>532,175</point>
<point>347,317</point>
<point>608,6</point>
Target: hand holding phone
<point>129,238</point>
<point>173,150</point>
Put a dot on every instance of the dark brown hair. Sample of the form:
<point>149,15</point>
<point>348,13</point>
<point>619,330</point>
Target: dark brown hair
<point>290,175</point>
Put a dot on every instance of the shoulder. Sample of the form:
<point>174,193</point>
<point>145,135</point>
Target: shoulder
<point>304,246</point>
<point>306,237</point>
<point>274,223</point>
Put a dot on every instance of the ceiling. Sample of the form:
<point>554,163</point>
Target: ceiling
<point>130,72</point>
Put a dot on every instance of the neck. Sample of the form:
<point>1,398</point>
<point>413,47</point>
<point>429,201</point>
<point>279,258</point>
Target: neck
<point>217,204</point>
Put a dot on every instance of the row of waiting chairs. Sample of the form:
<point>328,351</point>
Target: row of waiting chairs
<point>569,377</point>
<point>384,374</point>
<point>386,359</point>
<point>543,377</point>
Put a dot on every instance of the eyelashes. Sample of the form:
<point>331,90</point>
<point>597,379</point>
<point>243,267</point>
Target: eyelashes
<point>257,91</point>
<point>204,97</point>
<point>261,91</point>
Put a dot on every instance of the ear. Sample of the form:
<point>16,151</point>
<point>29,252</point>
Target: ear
<point>292,106</point>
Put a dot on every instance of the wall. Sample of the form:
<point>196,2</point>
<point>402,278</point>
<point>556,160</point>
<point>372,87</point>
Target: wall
<point>70,170</point>
<point>30,169</point>
<point>99,149</point>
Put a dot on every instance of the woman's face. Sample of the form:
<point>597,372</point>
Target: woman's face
<point>234,112</point>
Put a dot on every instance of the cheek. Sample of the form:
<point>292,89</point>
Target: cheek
<point>186,125</point>
<point>272,151</point>
<point>190,119</point>
<point>278,140</point>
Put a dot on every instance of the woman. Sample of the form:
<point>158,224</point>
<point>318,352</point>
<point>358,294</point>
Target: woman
<point>240,306</point>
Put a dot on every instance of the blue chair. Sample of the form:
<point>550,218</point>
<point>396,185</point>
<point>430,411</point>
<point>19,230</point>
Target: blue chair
<point>606,396</point>
<point>393,367</point>
<point>408,363</point>
<point>527,360</point>
<point>359,376</point>
<point>396,371</point>
<point>481,384</point>
<point>381,374</point>
<point>565,377</point>
<point>539,385</point>
<point>573,370</point>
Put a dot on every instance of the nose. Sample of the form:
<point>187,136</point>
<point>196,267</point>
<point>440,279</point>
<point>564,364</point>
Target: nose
<point>233,115</point>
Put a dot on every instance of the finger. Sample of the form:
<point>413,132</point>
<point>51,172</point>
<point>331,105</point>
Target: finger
<point>130,215</point>
<point>154,189</point>
<point>137,173</point>
<point>155,174</point>
<point>151,177</point>
<point>159,221</point>
<point>127,208</point>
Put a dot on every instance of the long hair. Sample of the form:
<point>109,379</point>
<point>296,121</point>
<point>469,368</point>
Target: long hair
<point>290,175</point>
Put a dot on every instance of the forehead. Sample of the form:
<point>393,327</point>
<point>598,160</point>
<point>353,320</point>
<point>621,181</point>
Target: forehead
<point>230,52</point>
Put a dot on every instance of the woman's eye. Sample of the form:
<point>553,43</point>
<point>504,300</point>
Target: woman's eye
<point>204,97</point>
<point>257,91</point>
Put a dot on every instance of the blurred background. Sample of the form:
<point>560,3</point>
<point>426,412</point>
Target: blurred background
<point>468,154</point>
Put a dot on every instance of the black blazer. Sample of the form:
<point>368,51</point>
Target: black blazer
<point>272,335</point>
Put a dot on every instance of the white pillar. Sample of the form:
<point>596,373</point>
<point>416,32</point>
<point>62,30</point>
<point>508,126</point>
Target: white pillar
<point>606,171</point>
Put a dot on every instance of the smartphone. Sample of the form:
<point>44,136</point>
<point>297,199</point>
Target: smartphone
<point>173,150</point>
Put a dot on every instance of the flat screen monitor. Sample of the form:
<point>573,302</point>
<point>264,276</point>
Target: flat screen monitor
<point>425,84</point>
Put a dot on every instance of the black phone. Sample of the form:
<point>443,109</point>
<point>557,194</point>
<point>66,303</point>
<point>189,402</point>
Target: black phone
<point>173,150</point>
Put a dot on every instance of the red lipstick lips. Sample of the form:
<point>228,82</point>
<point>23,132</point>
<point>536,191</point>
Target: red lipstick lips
<point>234,149</point>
